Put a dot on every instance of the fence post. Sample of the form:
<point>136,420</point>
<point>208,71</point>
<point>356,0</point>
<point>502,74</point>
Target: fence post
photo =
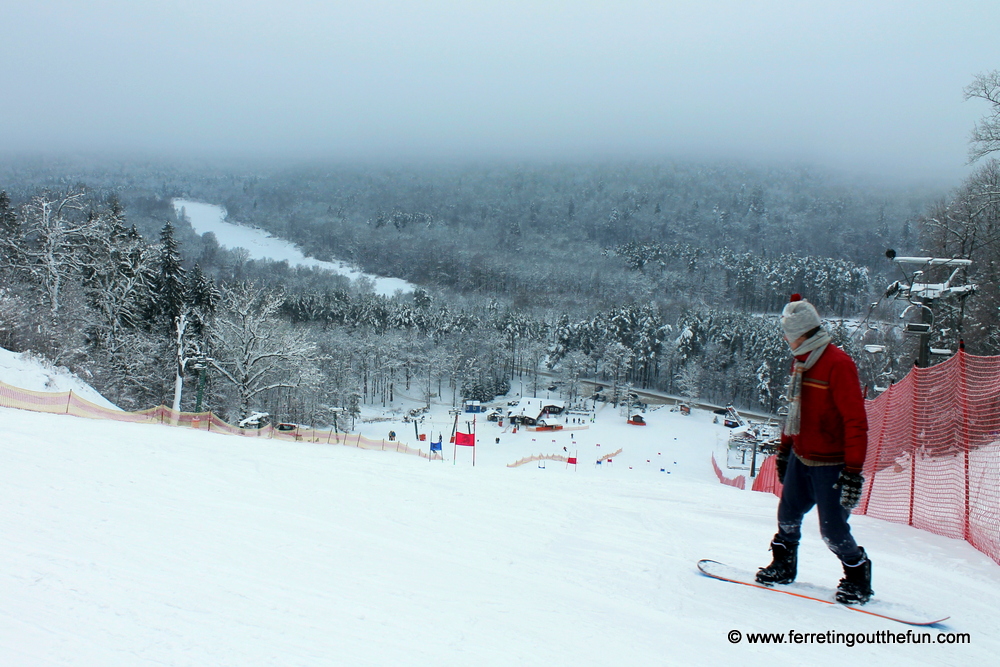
<point>913,439</point>
<point>966,447</point>
<point>878,447</point>
<point>69,398</point>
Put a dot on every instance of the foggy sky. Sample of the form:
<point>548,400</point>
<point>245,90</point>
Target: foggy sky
<point>873,85</point>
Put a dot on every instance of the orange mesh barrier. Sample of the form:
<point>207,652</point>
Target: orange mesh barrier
<point>767,477</point>
<point>739,482</point>
<point>934,452</point>
<point>608,457</point>
<point>539,457</point>
<point>557,457</point>
<point>68,403</point>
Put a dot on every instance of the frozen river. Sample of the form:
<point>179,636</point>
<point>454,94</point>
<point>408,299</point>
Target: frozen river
<point>261,245</point>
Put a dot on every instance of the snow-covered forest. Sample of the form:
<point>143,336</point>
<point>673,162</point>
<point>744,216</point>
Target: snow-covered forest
<point>664,276</point>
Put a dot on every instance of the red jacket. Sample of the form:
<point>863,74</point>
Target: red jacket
<point>833,426</point>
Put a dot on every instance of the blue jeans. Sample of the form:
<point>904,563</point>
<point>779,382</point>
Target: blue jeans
<point>806,487</point>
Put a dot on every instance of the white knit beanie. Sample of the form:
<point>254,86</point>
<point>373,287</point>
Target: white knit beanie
<point>799,317</point>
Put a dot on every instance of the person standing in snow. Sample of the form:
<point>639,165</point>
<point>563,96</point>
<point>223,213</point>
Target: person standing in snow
<point>823,445</point>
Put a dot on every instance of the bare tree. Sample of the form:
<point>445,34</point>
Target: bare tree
<point>572,369</point>
<point>53,242</point>
<point>117,285</point>
<point>617,361</point>
<point>986,134</point>
<point>968,226</point>
<point>689,380</point>
<point>253,349</point>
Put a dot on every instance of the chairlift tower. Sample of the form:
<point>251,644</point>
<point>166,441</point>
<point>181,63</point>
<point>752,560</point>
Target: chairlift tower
<point>922,294</point>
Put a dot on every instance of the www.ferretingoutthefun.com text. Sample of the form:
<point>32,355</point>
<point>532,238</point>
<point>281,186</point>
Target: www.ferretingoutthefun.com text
<point>849,638</point>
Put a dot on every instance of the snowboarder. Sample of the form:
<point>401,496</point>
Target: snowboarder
<point>822,452</point>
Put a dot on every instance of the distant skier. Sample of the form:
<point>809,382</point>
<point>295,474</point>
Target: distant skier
<point>822,453</point>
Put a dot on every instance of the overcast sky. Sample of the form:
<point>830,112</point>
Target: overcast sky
<point>872,84</point>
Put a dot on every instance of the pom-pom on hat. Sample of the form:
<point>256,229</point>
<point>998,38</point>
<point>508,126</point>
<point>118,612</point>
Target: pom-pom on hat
<point>799,318</point>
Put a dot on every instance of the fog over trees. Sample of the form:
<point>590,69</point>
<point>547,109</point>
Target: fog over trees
<point>662,275</point>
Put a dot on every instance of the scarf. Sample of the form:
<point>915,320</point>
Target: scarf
<point>815,347</point>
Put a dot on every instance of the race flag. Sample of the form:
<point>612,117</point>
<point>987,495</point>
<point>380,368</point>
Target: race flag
<point>465,439</point>
<point>436,446</point>
<point>571,460</point>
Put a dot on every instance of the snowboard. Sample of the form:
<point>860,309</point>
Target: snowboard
<point>879,608</point>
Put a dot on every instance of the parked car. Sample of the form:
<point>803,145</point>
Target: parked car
<point>255,420</point>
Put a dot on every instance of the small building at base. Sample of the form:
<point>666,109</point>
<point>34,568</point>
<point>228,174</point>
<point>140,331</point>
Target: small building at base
<point>529,411</point>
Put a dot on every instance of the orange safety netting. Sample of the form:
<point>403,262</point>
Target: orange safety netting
<point>558,457</point>
<point>767,477</point>
<point>739,482</point>
<point>539,457</point>
<point>934,452</point>
<point>69,403</point>
<point>608,457</point>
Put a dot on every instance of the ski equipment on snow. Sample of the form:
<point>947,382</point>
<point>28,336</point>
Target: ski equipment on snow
<point>878,608</point>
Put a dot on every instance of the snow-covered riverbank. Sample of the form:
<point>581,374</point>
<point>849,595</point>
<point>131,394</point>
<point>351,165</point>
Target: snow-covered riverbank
<point>261,245</point>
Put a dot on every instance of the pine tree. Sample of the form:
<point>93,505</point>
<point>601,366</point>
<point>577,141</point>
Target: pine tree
<point>202,297</point>
<point>167,290</point>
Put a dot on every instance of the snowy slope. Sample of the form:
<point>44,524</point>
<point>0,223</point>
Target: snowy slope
<point>128,544</point>
<point>25,371</point>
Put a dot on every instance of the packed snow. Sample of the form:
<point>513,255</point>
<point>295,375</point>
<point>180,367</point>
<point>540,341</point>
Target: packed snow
<point>26,371</point>
<point>261,245</point>
<point>131,544</point>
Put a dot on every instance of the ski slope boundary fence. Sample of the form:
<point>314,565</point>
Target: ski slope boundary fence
<point>934,453</point>
<point>68,403</point>
<point>740,482</point>
<point>558,457</point>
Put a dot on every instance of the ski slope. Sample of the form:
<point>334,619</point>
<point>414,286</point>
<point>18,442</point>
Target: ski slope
<point>130,544</point>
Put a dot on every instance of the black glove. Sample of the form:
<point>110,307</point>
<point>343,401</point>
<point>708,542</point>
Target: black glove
<point>850,484</point>
<point>781,464</point>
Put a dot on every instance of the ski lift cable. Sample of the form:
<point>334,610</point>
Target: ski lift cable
<point>864,322</point>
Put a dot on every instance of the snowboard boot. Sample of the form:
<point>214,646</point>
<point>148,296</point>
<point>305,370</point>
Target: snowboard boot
<point>856,586</point>
<point>782,568</point>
